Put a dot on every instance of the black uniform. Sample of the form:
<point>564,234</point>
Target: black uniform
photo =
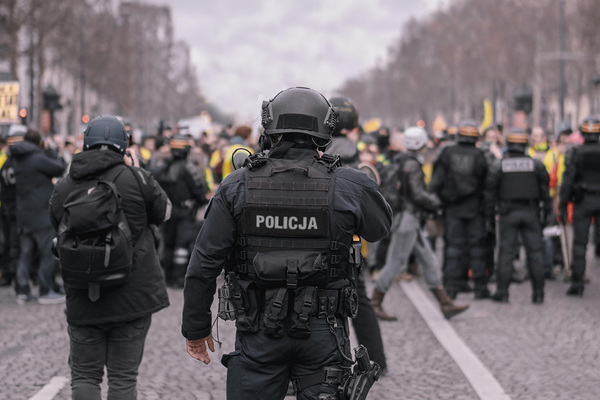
<point>517,184</point>
<point>459,180</point>
<point>186,189</point>
<point>8,213</point>
<point>289,223</point>
<point>581,184</point>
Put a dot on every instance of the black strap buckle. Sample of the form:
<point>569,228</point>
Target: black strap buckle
<point>292,274</point>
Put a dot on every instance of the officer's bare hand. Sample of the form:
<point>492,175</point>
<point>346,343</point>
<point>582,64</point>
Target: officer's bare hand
<point>197,348</point>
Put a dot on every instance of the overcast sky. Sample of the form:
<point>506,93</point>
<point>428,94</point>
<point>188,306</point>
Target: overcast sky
<point>245,50</point>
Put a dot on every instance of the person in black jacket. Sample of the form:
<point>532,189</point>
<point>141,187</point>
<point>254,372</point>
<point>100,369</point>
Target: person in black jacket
<point>459,180</point>
<point>8,209</point>
<point>516,185</point>
<point>185,186</point>
<point>34,170</point>
<point>111,331</point>
<point>284,227</point>
<point>581,185</point>
<point>407,235</point>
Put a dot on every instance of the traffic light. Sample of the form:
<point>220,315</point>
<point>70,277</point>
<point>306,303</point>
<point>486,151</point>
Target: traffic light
<point>23,115</point>
<point>85,119</point>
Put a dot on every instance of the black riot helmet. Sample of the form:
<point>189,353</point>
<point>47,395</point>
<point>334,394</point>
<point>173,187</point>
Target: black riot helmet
<point>108,131</point>
<point>468,131</point>
<point>299,110</point>
<point>516,141</point>
<point>180,146</point>
<point>590,128</point>
<point>347,114</point>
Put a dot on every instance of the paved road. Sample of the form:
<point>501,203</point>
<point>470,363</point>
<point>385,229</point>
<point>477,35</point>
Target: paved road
<point>535,352</point>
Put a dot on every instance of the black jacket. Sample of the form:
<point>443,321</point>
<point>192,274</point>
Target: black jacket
<point>416,198</point>
<point>182,182</point>
<point>34,170</point>
<point>358,209</point>
<point>144,203</point>
<point>459,177</point>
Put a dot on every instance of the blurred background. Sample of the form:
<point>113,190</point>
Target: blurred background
<point>512,63</point>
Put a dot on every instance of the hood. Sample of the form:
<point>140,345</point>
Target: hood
<point>92,162</point>
<point>24,148</point>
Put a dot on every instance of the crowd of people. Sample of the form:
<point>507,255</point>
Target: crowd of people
<point>190,168</point>
<point>479,196</point>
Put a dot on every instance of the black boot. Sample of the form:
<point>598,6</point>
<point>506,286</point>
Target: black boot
<point>482,293</point>
<point>501,296</point>
<point>576,289</point>
<point>377,301</point>
<point>537,297</point>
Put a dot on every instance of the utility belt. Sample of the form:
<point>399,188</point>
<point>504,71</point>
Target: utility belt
<point>284,307</point>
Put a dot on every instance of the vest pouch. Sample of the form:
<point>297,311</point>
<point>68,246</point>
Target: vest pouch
<point>305,301</point>
<point>276,309</point>
<point>245,299</point>
<point>290,269</point>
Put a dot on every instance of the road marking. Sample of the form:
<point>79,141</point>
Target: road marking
<point>480,378</point>
<point>51,389</point>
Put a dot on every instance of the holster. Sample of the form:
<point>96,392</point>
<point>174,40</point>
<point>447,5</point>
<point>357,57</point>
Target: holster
<point>245,299</point>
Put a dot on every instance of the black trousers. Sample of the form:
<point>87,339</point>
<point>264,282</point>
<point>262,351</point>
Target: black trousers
<point>178,235</point>
<point>366,326</point>
<point>465,240</point>
<point>526,221</point>
<point>10,245</point>
<point>261,367</point>
<point>583,212</point>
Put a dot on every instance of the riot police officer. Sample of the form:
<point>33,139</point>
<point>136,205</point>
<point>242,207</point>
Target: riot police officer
<point>517,184</point>
<point>186,189</point>
<point>581,184</point>
<point>459,180</point>
<point>341,144</point>
<point>365,324</point>
<point>283,226</point>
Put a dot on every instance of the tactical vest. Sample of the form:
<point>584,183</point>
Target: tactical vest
<point>519,181</point>
<point>463,181</point>
<point>589,168</point>
<point>290,237</point>
<point>171,181</point>
<point>291,252</point>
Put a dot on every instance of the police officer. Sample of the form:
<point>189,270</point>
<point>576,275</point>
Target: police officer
<point>581,184</point>
<point>407,236</point>
<point>365,324</point>
<point>283,226</point>
<point>459,180</point>
<point>186,189</point>
<point>517,184</point>
<point>347,126</point>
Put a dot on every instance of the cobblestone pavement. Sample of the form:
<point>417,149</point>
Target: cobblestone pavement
<point>545,352</point>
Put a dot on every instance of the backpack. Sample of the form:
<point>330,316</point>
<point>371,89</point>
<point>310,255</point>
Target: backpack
<point>94,242</point>
<point>391,187</point>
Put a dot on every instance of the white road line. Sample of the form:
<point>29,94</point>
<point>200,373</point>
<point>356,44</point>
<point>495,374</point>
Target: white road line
<point>51,389</point>
<point>480,378</point>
